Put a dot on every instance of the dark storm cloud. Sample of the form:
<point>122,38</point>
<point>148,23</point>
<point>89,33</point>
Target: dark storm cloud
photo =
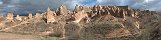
<point>23,6</point>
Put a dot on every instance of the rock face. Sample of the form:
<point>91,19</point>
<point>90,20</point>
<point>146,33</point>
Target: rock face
<point>30,15</point>
<point>77,8</point>
<point>62,10</point>
<point>10,16</point>
<point>50,16</point>
<point>86,8</point>
<point>88,23</point>
<point>79,16</point>
<point>38,15</point>
<point>18,18</point>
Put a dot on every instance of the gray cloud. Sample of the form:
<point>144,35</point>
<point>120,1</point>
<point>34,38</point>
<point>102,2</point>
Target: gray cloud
<point>153,5</point>
<point>23,6</point>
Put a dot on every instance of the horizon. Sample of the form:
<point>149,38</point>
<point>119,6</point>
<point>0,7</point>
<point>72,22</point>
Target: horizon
<point>34,13</point>
<point>24,6</point>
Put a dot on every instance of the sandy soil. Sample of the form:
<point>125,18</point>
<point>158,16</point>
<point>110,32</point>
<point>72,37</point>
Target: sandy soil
<point>11,36</point>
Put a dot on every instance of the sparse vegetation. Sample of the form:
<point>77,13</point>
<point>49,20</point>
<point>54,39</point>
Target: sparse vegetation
<point>96,23</point>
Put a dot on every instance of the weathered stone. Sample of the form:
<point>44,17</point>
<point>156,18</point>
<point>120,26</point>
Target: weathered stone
<point>10,16</point>
<point>110,24</point>
<point>62,10</point>
<point>30,15</point>
<point>77,8</point>
<point>99,7</point>
<point>79,16</point>
<point>38,15</point>
<point>86,8</point>
<point>95,8</point>
<point>123,14</point>
<point>50,16</point>
<point>18,18</point>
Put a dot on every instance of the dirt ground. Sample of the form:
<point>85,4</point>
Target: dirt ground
<point>12,36</point>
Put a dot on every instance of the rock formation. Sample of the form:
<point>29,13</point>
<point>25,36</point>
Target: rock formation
<point>79,16</point>
<point>90,23</point>
<point>62,10</point>
<point>77,8</point>
<point>38,16</point>
<point>18,18</point>
<point>86,8</point>
<point>30,15</point>
<point>50,16</point>
<point>10,16</point>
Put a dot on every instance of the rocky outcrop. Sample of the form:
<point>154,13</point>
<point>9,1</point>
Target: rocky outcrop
<point>18,18</point>
<point>79,16</point>
<point>77,8</point>
<point>50,16</point>
<point>62,10</point>
<point>30,15</point>
<point>9,16</point>
<point>87,23</point>
<point>38,16</point>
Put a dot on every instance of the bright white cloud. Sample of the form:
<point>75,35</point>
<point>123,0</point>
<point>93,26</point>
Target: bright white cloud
<point>72,3</point>
<point>1,2</point>
<point>146,1</point>
<point>10,5</point>
<point>99,1</point>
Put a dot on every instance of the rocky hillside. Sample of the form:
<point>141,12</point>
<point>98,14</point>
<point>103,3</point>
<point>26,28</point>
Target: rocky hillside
<point>87,23</point>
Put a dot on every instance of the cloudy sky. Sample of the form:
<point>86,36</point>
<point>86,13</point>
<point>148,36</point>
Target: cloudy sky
<point>23,6</point>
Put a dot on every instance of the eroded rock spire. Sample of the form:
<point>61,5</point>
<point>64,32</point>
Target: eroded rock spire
<point>62,10</point>
<point>50,15</point>
<point>10,16</point>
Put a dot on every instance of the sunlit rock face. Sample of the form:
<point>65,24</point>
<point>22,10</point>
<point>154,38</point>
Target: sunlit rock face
<point>10,16</point>
<point>50,15</point>
<point>62,10</point>
<point>79,16</point>
<point>18,18</point>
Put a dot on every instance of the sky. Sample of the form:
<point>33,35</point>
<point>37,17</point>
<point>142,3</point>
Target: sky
<point>24,6</point>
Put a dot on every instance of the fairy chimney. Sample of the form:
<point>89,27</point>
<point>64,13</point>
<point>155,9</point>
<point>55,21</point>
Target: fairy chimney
<point>30,15</point>
<point>123,14</point>
<point>10,16</point>
<point>94,8</point>
<point>80,15</point>
<point>50,16</point>
<point>18,18</point>
<point>77,8</point>
<point>99,7</point>
<point>136,14</point>
<point>62,10</point>
<point>108,8</point>
<point>133,13</point>
<point>38,15</point>
<point>115,7</point>
<point>86,8</point>
<point>108,12</point>
<point>113,10</point>
<point>49,12</point>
